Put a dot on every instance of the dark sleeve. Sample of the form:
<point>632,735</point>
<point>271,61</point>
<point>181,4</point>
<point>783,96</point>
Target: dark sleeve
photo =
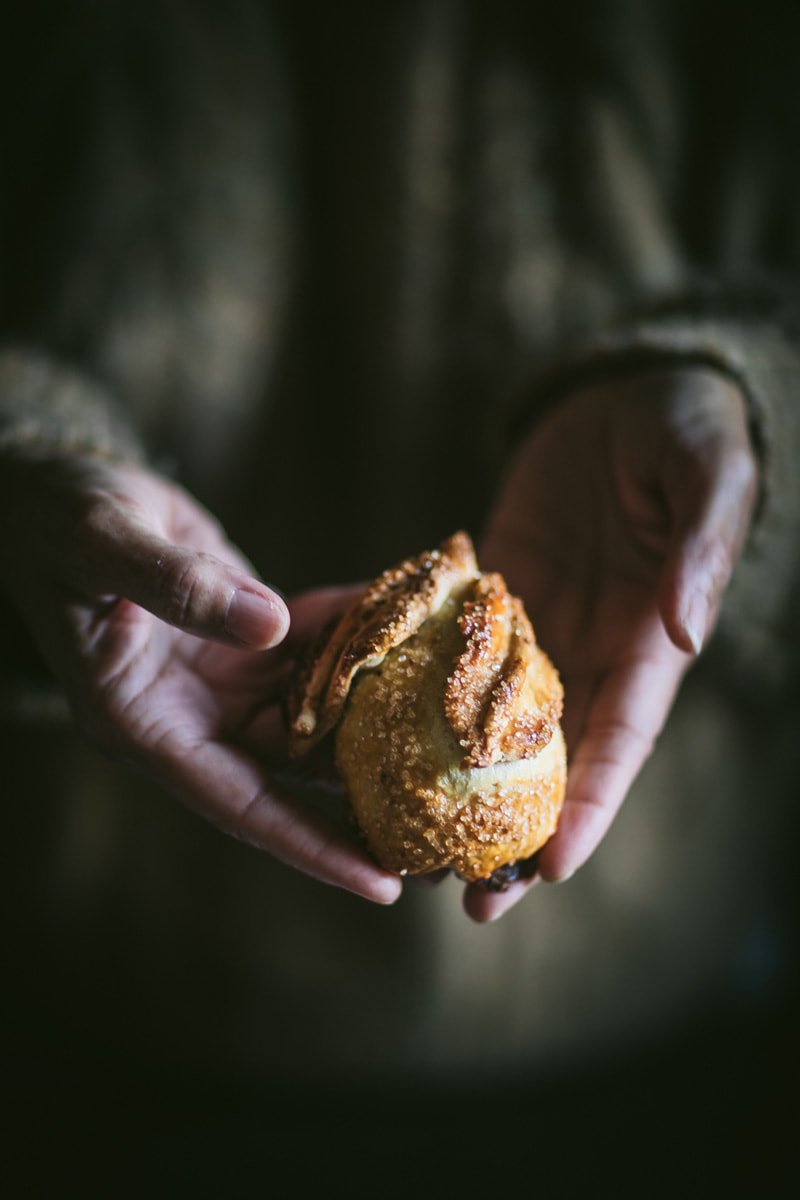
<point>142,245</point>
<point>678,182</point>
<point>143,239</point>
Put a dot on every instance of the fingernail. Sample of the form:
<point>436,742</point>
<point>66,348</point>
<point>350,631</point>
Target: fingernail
<point>390,893</point>
<point>550,879</point>
<point>695,620</point>
<point>254,620</point>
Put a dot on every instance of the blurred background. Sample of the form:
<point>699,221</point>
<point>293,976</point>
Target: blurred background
<point>339,213</point>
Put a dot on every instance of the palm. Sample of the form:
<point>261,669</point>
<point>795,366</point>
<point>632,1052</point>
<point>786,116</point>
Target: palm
<point>178,695</point>
<point>590,565</point>
<point>197,714</point>
<point>172,693</point>
<point>166,690</point>
<point>584,538</point>
<point>590,572</point>
<point>619,522</point>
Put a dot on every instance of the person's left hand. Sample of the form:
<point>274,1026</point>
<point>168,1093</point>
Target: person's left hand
<point>619,522</point>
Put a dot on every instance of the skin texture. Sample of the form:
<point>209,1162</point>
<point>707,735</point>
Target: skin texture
<point>619,521</point>
<point>130,589</point>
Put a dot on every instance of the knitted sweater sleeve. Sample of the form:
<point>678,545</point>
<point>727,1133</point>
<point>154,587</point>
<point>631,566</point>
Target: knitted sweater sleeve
<point>690,250</point>
<point>763,358</point>
<point>49,408</point>
<point>141,248</point>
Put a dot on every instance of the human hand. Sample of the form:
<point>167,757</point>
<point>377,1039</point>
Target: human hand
<point>619,522</point>
<point>159,634</point>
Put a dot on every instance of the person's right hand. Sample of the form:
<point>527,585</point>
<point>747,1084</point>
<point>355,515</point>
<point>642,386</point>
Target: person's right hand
<point>156,629</point>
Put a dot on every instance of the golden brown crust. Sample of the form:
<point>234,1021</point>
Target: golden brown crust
<point>390,610</point>
<point>447,712</point>
<point>503,699</point>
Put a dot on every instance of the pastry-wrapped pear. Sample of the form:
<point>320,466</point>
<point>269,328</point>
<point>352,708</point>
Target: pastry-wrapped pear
<point>446,717</point>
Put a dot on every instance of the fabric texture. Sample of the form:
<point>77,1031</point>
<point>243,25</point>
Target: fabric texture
<point>329,270</point>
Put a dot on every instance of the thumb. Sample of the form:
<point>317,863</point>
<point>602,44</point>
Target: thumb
<point>711,523</point>
<point>197,592</point>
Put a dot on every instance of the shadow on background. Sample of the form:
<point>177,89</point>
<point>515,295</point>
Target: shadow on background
<point>712,1111</point>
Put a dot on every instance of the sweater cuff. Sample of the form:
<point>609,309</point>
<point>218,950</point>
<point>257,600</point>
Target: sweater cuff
<point>48,408</point>
<point>764,361</point>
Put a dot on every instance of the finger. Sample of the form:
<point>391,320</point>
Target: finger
<point>193,591</point>
<point>228,788</point>
<point>713,512</point>
<point>266,731</point>
<point>265,735</point>
<point>310,611</point>
<point>623,723</point>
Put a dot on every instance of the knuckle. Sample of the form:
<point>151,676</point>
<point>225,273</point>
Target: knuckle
<point>742,473</point>
<point>183,592</point>
<point>616,740</point>
<point>91,527</point>
<point>239,823</point>
<point>718,563</point>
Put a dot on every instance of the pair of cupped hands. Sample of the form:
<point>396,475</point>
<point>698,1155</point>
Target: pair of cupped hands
<point>619,521</point>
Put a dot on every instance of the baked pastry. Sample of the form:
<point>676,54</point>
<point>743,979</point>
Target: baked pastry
<point>446,715</point>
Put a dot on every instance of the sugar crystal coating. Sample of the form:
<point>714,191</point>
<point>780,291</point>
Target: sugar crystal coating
<point>446,716</point>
